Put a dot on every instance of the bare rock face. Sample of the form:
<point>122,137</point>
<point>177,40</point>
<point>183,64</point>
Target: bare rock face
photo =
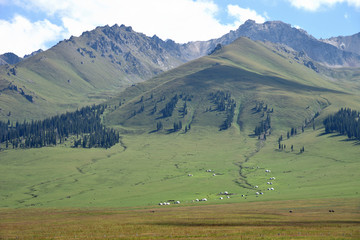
<point>297,39</point>
<point>133,52</point>
<point>348,43</point>
<point>33,53</point>
<point>9,58</point>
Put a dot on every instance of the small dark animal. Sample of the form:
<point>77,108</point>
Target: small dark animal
<point>290,211</point>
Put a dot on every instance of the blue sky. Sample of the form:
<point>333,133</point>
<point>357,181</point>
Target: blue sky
<point>27,25</point>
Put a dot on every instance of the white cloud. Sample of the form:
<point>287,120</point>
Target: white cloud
<point>314,5</point>
<point>21,36</point>
<point>179,20</point>
<point>243,14</point>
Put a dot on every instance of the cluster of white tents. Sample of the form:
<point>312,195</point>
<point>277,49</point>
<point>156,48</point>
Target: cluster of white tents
<point>268,183</point>
<point>168,203</point>
<point>225,192</point>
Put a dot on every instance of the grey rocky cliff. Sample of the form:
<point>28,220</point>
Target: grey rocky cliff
<point>282,33</point>
<point>9,58</point>
<point>347,43</point>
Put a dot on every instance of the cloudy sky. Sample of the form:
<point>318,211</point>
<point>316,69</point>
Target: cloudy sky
<point>28,25</point>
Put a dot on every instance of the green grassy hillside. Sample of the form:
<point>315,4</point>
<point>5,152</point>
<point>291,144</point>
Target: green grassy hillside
<point>81,71</point>
<point>251,72</point>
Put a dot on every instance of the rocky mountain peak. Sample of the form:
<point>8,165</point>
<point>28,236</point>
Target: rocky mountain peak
<point>9,58</point>
<point>298,39</point>
<point>345,43</point>
<point>33,53</point>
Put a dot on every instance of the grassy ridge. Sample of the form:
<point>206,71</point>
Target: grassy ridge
<point>251,72</point>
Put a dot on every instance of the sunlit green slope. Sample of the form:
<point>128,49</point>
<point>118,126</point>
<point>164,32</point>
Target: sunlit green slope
<point>253,73</point>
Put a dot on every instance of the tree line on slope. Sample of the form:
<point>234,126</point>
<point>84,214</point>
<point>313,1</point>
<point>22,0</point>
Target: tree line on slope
<point>345,121</point>
<point>85,124</point>
<point>224,103</point>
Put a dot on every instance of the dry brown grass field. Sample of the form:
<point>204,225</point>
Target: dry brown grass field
<point>309,219</point>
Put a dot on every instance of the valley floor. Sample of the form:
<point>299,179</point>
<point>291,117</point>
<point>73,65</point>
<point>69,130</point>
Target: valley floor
<point>66,193</point>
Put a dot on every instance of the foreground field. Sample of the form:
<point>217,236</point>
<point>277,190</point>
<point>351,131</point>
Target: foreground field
<point>262,220</point>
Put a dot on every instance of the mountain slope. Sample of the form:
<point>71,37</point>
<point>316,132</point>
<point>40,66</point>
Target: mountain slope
<point>245,73</point>
<point>82,70</point>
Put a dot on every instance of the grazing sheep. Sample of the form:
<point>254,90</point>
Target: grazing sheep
<point>197,200</point>
<point>161,204</point>
<point>177,202</point>
<point>261,193</point>
<point>257,193</point>
<point>226,193</point>
<point>242,195</point>
<point>221,198</point>
<point>190,175</point>
<point>204,199</point>
<point>228,197</point>
<point>214,174</point>
<point>272,188</point>
<point>268,183</point>
<point>256,186</point>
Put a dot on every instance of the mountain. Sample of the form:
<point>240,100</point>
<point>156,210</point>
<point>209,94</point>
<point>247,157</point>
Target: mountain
<point>83,70</point>
<point>99,64</point>
<point>347,43</point>
<point>239,85</point>
<point>297,39</point>
<point>33,53</point>
<point>9,58</point>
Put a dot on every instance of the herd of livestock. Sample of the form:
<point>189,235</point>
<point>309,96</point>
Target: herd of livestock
<point>226,193</point>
